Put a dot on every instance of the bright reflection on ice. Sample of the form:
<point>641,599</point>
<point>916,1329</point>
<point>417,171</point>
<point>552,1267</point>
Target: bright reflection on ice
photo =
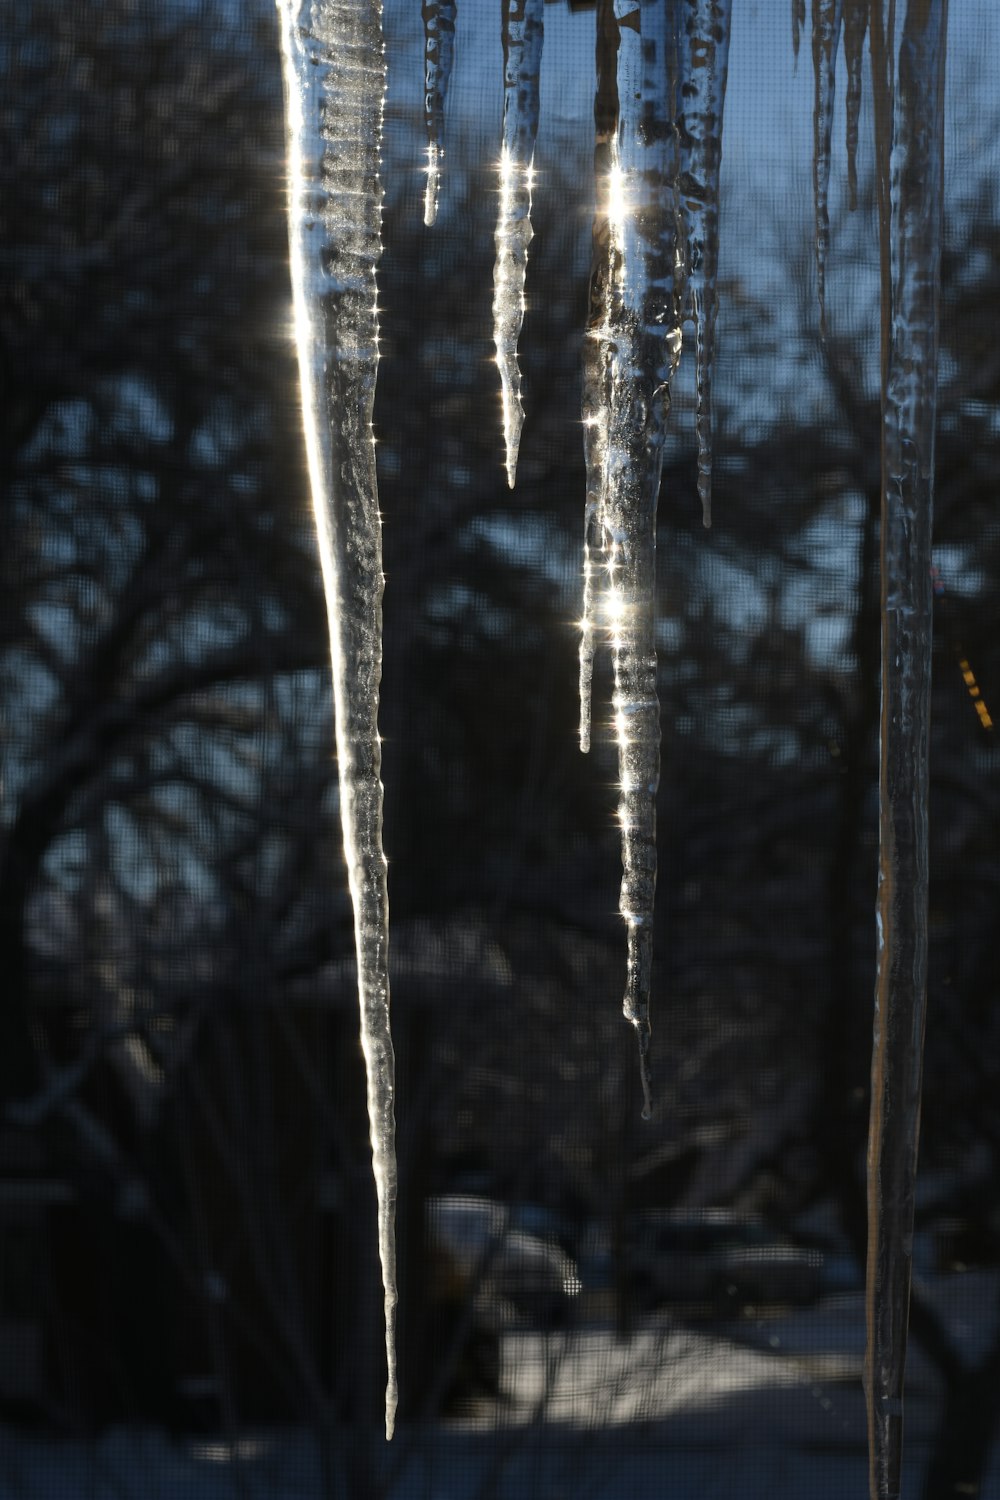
<point>618,207</point>
<point>522,35</point>
<point>334,75</point>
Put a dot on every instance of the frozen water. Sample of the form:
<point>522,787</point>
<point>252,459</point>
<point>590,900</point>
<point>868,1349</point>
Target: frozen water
<point>594,403</point>
<point>658,62</point>
<point>439,51</point>
<point>334,73</point>
<point>523,33</point>
<point>855,26</point>
<point>642,345</point>
<point>828,19</point>
<point>704,65</point>
<point>909,105</point>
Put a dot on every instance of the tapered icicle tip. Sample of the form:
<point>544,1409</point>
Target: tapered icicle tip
<point>392,1387</point>
<point>705,495</point>
<point>433,187</point>
<point>635,1005</point>
<point>586,685</point>
<point>642,1032</point>
<point>513,423</point>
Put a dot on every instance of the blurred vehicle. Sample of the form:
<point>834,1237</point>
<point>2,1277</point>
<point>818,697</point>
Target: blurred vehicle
<point>477,1251</point>
<point>713,1259</point>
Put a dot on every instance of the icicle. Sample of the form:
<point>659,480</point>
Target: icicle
<point>643,343</point>
<point>855,26</point>
<point>828,16</point>
<point>523,31</point>
<point>439,51</point>
<point>594,360</point>
<point>704,63</point>
<point>909,157</point>
<point>334,73</point>
<point>798,22</point>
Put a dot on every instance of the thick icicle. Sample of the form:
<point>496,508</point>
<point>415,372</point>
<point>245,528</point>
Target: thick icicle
<point>828,17</point>
<point>909,152</point>
<point>643,344</point>
<point>704,64</point>
<point>523,32</point>
<point>594,359</point>
<point>334,74</point>
<point>439,52</point>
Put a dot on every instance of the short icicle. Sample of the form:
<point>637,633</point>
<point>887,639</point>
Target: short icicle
<point>704,65</point>
<point>798,22</point>
<point>523,32</point>
<point>855,26</point>
<point>643,339</point>
<point>439,51</point>
<point>594,404</point>
<point>828,18</point>
<point>909,114</point>
<point>334,74</point>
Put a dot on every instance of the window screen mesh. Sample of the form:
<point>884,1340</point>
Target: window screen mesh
<point>591,1305</point>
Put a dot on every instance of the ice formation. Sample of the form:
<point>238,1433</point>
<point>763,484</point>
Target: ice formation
<point>661,76</point>
<point>334,74</point>
<point>639,345</point>
<point>594,404</point>
<point>704,66</point>
<point>909,113</point>
<point>523,33</point>
<point>439,51</point>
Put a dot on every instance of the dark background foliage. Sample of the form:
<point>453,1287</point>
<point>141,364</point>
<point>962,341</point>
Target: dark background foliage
<point>185,1206</point>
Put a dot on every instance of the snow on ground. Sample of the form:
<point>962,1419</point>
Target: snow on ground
<point>768,1409</point>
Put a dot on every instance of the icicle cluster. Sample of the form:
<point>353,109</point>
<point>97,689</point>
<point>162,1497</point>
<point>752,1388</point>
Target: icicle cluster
<point>831,20</point>
<point>661,79</point>
<point>334,73</point>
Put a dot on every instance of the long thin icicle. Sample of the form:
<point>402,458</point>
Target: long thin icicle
<point>523,33</point>
<point>334,73</point>
<point>704,65</point>
<point>828,18</point>
<point>439,52</point>
<point>643,343</point>
<point>594,404</point>
<point>912,158</point>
